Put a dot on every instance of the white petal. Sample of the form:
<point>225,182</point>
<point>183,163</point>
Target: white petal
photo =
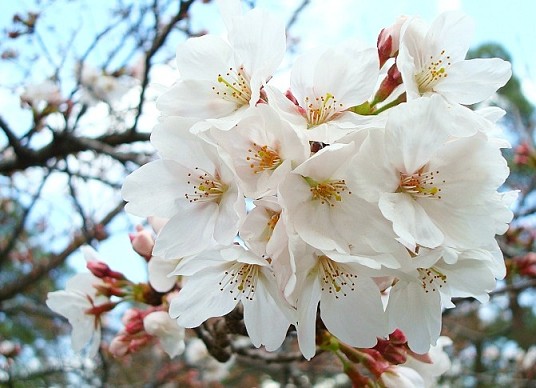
<point>472,81</point>
<point>410,222</point>
<point>203,57</point>
<point>307,308</point>
<point>201,298</point>
<point>416,313</point>
<point>357,317</point>
<point>187,233</point>
<point>195,99</point>
<point>264,320</point>
<point>153,189</point>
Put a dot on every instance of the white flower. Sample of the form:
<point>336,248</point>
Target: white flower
<point>192,187</point>
<point>264,231</point>
<point>326,83</point>
<point>435,189</point>
<point>46,91</point>
<point>99,86</point>
<point>433,61</point>
<point>323,211</point>
<point>398,376</point>
<point>349,301</point>
<point>79,303</point>
<point>219,77</point>
<point>262,149</point>
<point>440,363</point>
<point>170,334</point>
<point>236,275</point>
<point>427,282</point>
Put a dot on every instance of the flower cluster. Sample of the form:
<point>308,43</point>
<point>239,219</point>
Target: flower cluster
<point>368,178</point>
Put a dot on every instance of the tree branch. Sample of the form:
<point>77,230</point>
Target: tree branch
<point>11,289</point>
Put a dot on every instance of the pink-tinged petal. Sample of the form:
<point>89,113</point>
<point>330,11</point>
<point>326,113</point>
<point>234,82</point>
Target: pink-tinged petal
<point>153,189</point>
<point>416,313</point>
<point>356,317</point>
<point>203,58</point>
<point>201,298</point>
<point>187,233</point>
<point>472,81</point>
<point>286,109</point>
<point>410,222</point>
<point>195,99</point>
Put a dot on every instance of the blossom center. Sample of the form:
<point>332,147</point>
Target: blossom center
<point>432,72</point>
<point>261,158</point>
<point>321,109</point>
<point>240,280</point>
<point>327,192</point>
<point>421,184</point>
<point>206,187</point>
<point>334,278</point>
<point>234,86</point>
<point>273,218</point>
<point>431,279</point>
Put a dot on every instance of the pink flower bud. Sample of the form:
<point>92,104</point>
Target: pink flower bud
<point>142,242</point>
<point>119,346</point>
<point>389,40</point>
<point>102,270</point>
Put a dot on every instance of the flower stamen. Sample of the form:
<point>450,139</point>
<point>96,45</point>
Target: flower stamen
<point>321,109</point>
<point>433,71</point>
<point>334,278</point>
<point>431,279</point>
<point>421,184</point>
<point>263,158</point>
<point>329,191</point>
<point>206,187</point>
<point>240,280</point>
<point>234,86</point>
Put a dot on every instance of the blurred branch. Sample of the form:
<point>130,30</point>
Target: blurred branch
<point>9,290</point>
<point>66,144</point>
<point>294,17</point>
<point>19,228</point>
<point>158,42</point>
<point>13,140</point>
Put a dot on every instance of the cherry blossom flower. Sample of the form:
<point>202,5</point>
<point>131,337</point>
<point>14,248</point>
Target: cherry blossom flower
<point>82,306</point>
<point>323,210</point>
<point>170,335</point>
<point>236,275</point>
<point>45,92</point>
<point>190,182</point>
<point>427,283</point>
<point>435,189</point>
<point>219,77</point>
<point>323,97</point>
<point>432,60</point>
<point>262,149</point>
<point>349,301</point>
